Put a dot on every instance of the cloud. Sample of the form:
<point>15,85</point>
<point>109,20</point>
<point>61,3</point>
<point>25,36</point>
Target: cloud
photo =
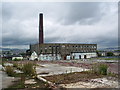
<point>81,22</point>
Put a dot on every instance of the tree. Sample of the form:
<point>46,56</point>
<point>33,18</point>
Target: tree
<point>98,54</point>
<point>110,54</point>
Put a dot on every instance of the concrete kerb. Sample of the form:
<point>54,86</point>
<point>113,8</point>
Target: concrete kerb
<point>46,81</point>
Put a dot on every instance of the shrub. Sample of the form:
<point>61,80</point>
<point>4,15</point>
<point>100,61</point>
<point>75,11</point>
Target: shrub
<point>100,69</point>
<point>15,64</point>
<point>103,69</point>
<point>29,69</point>
<point>9,70</point>
<point>110,54</point>
<point>3,64</point>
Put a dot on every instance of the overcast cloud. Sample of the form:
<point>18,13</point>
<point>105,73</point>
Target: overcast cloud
<point>83,22</point>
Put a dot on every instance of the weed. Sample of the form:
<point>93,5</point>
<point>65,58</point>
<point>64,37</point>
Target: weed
<point>99,69</point>
<point>10,70</point>
<point>29,69</point>
<point>15,64</point>
<point>3,64</point>
<point>103,69</point>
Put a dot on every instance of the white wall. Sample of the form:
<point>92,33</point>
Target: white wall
<point>76,56</point>
<point>49,57</point>
<point>88,55</point>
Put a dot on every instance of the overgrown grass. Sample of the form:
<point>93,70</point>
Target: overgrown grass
<point>9,70</point>
<point>111,58</point>
<point>15,64</point>
<point>3,64</point>
<point>29,69</point>
<point>100,69</point>
<point>100,58</point>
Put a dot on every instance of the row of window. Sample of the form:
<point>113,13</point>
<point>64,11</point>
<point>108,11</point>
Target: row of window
<point>68,49</point>
<point>63,46</point>
<point>54,51</point>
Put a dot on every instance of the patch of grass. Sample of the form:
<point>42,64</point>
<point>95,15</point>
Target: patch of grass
<point>17,59</point>
<point>3,64</point>
<point>99,69</point>
<point>111,58</point>
<point>29,69</point>
<point>9,70</point>
<point>100,58</point>
<point>102,68</point>
<point>15,64</point>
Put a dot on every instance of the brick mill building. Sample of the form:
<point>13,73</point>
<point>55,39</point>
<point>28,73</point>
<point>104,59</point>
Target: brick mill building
<point>60,51</point>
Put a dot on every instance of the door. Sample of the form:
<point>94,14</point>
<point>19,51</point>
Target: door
<point>85,56</point>
<point>79,56</point>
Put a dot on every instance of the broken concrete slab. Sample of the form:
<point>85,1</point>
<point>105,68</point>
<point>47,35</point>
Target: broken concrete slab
<point>30,81</point>
<point>54,69</point>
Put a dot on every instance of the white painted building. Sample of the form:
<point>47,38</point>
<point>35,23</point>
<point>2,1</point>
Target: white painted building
<point>34,56</point>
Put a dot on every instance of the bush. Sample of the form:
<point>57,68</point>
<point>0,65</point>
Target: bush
<point>103,69</point>
<point>100,69</point>
<point>110,54</point>
<point>9,70</point>
<point>29,69</point>
<point>15,64</point>
<point>3,64</point>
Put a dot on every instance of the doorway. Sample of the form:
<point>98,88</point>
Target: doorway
<point>85,56</point>
<point>79,56</point>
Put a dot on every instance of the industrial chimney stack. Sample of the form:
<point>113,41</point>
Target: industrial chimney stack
<point>41,39</point>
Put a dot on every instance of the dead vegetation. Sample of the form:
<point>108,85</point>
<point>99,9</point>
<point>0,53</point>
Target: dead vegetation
<point>72,77</point>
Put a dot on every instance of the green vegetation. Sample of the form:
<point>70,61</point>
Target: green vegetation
<point>9,70</point>
<point>103,58</point>
<point>102,68</point>
<point>110,54</point>
<point>99,69</point>
<point>16,59</point>
<point>29,72</point>
<point>40,85</point>
<point>29,69</point>
<point>98,53</point>
<point>111,59</point>
<point>4,59</point>
<point>15,64</point>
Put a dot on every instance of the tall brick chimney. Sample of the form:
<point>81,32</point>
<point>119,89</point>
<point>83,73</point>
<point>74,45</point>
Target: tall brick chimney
<point>41,39</point>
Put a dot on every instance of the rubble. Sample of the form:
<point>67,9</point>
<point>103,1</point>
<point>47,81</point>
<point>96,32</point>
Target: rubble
<point>93,83</point>
<point>30,81</point>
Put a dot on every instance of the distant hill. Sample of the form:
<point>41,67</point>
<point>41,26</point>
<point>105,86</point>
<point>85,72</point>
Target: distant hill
<point>110,49</point>
<point>13,50</point>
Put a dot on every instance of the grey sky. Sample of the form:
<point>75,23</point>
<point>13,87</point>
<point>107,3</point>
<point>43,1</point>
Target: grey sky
<point>81,22</point>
